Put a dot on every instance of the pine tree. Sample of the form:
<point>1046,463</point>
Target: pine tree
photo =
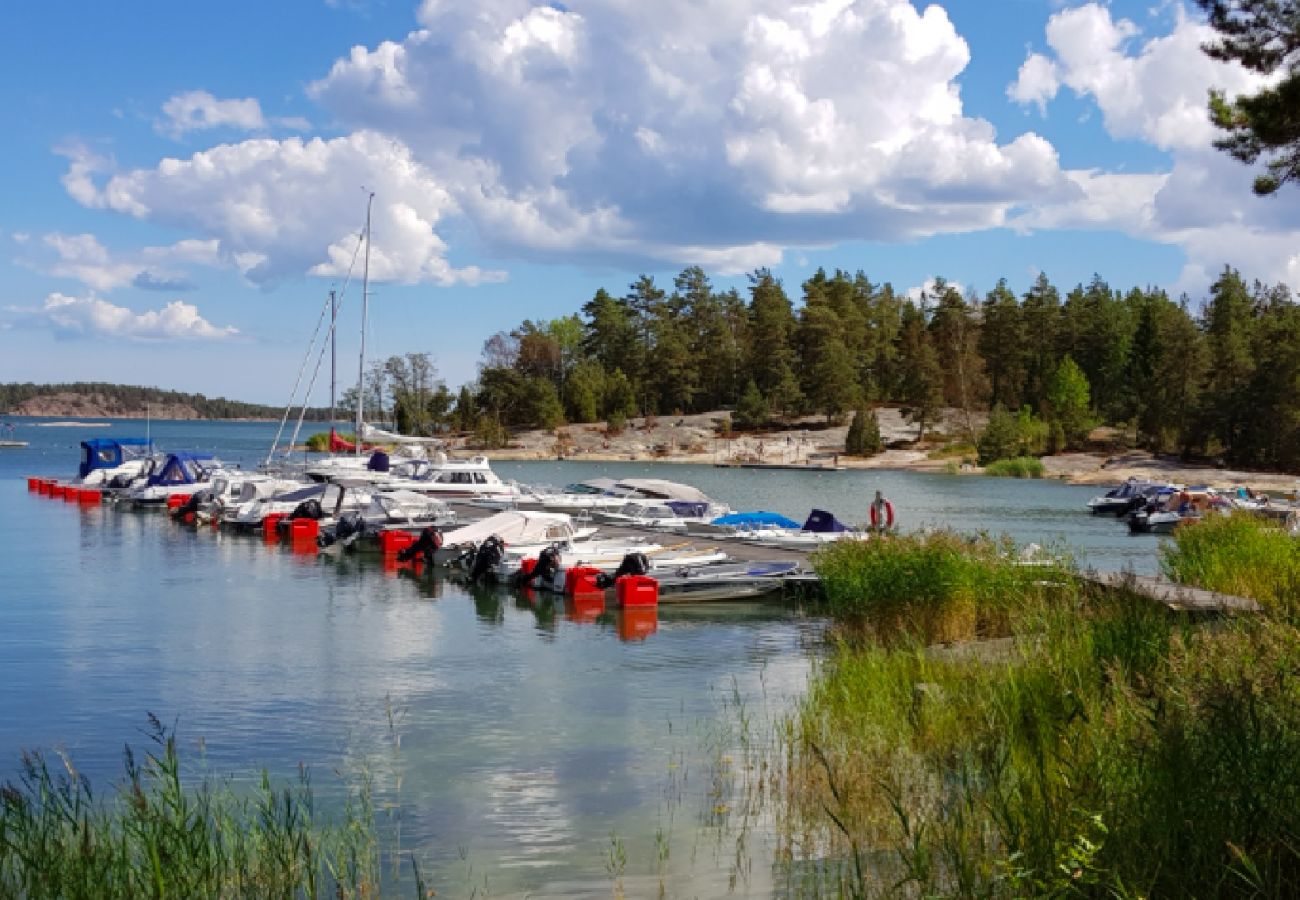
<point>1070,403</point>
<point>863,438</point>
<point>751,412</point>
<point>921,381</point>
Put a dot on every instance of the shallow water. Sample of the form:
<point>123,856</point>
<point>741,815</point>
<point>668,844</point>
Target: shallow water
<point>514,742</point>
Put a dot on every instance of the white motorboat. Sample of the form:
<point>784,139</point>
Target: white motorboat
<point>180,473</point>
<point>324,502</point>
<point>108,460</point>
<point>668,515</point>
<point>514,526</point>
<point>819,529</point>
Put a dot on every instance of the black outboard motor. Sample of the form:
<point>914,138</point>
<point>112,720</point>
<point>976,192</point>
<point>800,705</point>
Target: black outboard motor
<point>378,461</point>
<point>633,564</point>
<point>486,558</point>
<point>348,524</point>
<point>548,563</point>
<point>429,542</point>
<point>197,499</point>
<point>308,509</point>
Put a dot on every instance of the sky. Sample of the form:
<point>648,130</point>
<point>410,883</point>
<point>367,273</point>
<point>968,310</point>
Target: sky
<point>183,184</point>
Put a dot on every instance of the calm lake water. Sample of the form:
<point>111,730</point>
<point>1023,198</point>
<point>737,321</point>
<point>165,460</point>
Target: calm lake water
<point>515,743</point>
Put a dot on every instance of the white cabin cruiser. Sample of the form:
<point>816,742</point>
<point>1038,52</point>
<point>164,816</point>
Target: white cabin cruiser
<point>515,526</point>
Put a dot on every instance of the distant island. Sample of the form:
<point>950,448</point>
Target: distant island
<point>85,399</point>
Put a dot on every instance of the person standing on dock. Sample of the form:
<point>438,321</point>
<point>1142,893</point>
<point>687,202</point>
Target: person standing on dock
<point>882,514</point>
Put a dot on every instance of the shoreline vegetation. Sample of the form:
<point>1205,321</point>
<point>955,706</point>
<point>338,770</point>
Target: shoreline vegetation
<point>983,729</point>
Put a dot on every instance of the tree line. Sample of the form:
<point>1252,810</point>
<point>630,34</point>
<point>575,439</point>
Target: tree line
<point>1221,381</point>
<point>134,400</point>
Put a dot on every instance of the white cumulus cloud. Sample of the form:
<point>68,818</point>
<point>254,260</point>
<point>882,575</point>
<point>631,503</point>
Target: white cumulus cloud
<point>282,208</point>
<point>93,317</point>
<point>200,110</point>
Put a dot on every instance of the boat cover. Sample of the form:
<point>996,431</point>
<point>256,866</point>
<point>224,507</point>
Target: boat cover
<point>757,519</point>
<point>819,520</point>
<point>514,526</point>
<point>109,453</point>
<point>182,468</point>
<point>659,489</point>
<point>688,509</point>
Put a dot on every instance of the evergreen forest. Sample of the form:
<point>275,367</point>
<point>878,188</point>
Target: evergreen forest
<point>1216,379</point>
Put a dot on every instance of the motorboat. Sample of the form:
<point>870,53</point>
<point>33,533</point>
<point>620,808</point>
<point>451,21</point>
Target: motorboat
<point>741,523</point>
<point>821,527</point>
<point>104,460</point>
<point>388,511</point>
<point>324,502</point>
<point>513,526</point>
<point>1127,497</point>
<point>666,515</point>
<point>180,473</point>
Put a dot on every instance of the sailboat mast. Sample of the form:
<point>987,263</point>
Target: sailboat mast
<point>365,315</point>
<point>334,356</point>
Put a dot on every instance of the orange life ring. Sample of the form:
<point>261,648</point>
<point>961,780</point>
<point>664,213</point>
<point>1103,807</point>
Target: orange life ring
<point>889,515</point>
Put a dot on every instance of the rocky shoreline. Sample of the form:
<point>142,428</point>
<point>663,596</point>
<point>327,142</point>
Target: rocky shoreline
<point>697,439</point>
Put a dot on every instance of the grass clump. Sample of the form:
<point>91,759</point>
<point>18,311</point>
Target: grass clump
<point>929,588</point>
<point>1018,467</point>
<point>1240,554</point>
<point>156,838</point>
<point>1106,747</point>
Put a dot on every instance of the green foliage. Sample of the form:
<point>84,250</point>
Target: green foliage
<point>929,588</point>
<point>863,438</point>
<point>1016,467</point>
<point>751,412</point>
<point>156,838</point>
<point>1069,403</point>
<point>1102,738</point>
<point>1240,555</point>
<point>1229,383</point>
<point>1262,35</point>
<point>1007,436</point>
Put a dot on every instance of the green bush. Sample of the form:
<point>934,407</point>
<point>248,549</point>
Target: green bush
<point>1241,555</point>
<point>1020,467</point>
<point>863,438</point>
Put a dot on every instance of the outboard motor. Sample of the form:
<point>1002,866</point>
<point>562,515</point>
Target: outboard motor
<point>378,461</point>
<point>348,524</point>
<point>428,544</point>
<point>548,563</point>
<point>486,558</point>
<point>197,499</point>
<point>308,509</point>
<point>636,563</point>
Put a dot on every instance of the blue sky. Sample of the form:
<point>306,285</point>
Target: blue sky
<point>184,182</point>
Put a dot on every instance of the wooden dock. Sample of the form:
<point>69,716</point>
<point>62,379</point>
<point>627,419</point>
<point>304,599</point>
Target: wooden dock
<point>1178,597</point>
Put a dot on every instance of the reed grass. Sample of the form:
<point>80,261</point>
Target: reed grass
<point>155,837</point>
<point>932,588</point>
<point>1105,747</point>
<point>1019,467</point>
<point>1240,554</point>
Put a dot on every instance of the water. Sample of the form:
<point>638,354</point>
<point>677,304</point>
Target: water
<point>508,738</point>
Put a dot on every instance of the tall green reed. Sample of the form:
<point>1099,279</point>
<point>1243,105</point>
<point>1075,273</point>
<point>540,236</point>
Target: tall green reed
<point>1240,554</point>
<point>156,837</point>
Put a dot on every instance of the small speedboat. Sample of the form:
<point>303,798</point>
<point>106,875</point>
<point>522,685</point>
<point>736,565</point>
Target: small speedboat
<point>820,528</point>
<point>1127,497</point>
<point>181,473</point>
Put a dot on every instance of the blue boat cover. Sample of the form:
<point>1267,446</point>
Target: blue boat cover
<point>181,468</point>
<point>109,453</point>
<point>758,519</point>
<point>822,521</point>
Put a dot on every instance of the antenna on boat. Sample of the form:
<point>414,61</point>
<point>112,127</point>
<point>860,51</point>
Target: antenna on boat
<point>334,356</point>
<point>365,314</point>
<point>148,422</point>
